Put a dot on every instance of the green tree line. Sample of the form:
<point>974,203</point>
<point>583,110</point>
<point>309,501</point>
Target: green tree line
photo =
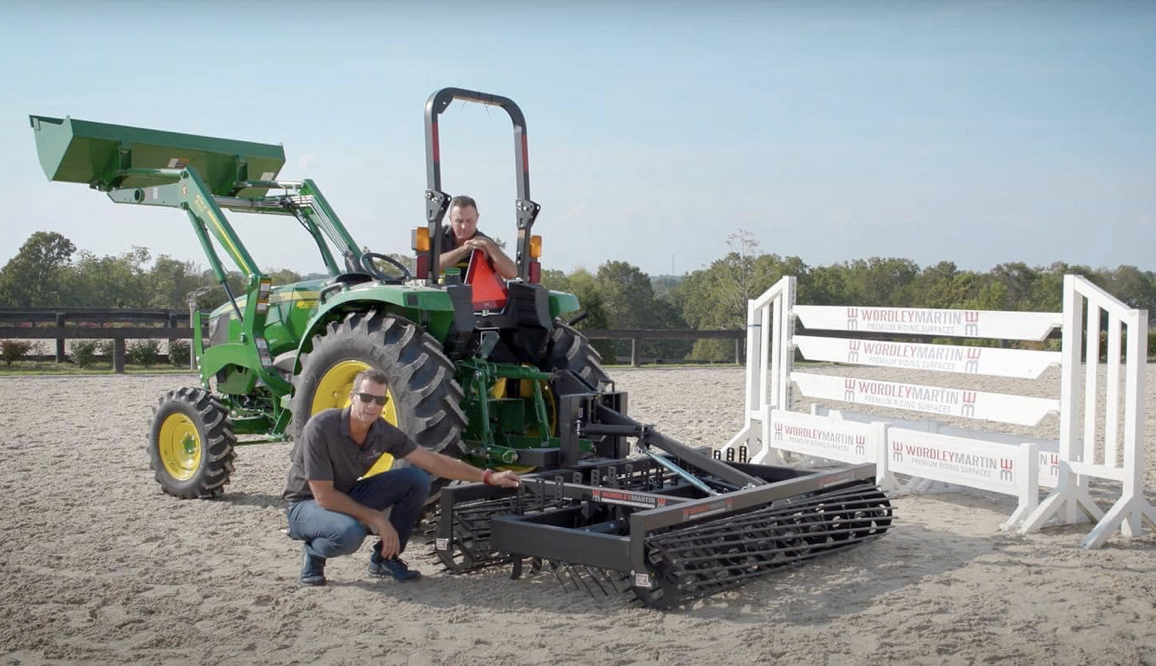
<point>49,271</point>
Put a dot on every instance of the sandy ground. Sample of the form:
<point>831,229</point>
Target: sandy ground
<point>99,566</point>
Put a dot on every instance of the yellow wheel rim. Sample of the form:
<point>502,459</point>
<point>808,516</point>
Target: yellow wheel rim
<point>333,391</point>
<point>180,446</point>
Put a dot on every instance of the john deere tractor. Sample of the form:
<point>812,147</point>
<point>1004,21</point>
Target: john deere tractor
<point>480,368</point>
<point>460,361</point>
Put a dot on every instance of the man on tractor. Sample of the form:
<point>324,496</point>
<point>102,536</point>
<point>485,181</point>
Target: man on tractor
<point>461,237</point>
<point>331,505</point>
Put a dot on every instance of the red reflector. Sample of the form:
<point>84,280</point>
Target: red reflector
<point>535,272</point>
<point>488,289</point>
<point>421,270</point>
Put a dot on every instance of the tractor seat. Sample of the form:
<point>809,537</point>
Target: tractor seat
<point>340,282</point>
<point>349,278</point>
<point>285,363</point>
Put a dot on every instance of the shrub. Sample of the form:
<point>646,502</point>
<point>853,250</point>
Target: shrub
<point>715,351</point>
<point>143,352</point>
<point>179,353</point>
<point>14,350</point>
<point>83,352</point>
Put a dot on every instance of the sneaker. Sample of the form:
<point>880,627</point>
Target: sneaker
<point>312,570</point>
<point>395,567</point>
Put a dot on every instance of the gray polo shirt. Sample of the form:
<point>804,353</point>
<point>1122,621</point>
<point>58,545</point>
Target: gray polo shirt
<point>327,452</point>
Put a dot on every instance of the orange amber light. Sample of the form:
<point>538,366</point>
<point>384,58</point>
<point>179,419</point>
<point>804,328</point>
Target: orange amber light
<point>419,239</point>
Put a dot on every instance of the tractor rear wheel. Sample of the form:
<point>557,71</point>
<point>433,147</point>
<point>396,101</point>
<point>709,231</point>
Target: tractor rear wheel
<point>422,396</point>
<point>191,444</point>
<point>570,350</point>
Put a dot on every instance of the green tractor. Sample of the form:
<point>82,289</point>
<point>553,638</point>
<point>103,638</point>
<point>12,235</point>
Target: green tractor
<point>470,359</point>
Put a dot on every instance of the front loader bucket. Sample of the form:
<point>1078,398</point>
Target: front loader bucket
<point>99,154</point>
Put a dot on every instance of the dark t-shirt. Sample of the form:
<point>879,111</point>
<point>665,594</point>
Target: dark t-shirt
<point>448,244</point>
<point>327,452</point>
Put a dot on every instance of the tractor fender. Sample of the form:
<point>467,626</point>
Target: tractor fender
<point>429,307</point>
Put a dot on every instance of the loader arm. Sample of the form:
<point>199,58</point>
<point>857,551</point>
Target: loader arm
<point>189,193</point>
<point>203,176</point>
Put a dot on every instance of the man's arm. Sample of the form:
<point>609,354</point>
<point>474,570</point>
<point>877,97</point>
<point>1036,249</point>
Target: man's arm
<point>452,468</point>
<point>454,256</point>
<point>503,264</point>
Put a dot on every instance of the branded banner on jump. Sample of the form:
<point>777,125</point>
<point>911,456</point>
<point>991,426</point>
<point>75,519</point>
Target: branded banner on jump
<point>970,463</point>
<point>819,436</point>
<point>1022,410</point>
<point>1048,472</point>
<point>993,361</point>
<point>922,321</point>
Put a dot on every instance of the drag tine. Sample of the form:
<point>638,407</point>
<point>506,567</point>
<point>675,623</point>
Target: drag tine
<point>594,578</point>
<point>554,570</point>
<point>605,574</point>
<point>574,574</point>
<point>613,579</point>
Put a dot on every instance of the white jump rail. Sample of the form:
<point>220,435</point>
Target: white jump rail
<point>930,451</point>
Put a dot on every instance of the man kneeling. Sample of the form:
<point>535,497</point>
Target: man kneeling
<point>330,505</point>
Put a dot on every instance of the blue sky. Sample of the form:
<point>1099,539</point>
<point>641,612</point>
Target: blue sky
<point>975,132</point>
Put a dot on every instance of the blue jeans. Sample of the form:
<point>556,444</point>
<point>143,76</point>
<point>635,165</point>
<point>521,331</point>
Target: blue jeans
<point>331,533</point>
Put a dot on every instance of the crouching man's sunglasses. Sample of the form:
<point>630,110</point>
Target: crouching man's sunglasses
<point>369,397</point>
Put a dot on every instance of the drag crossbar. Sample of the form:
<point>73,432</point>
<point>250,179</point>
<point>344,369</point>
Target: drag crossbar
<point>647,437</point>
<point>544,490</point>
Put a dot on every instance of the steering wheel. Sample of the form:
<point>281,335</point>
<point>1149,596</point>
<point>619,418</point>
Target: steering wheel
<point>367,262</point>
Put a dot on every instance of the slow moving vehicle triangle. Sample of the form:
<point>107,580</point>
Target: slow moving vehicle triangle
<point>488,289</point>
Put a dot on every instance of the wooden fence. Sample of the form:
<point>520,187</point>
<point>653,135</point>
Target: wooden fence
<point>639,334</point>
<point>119,325</point>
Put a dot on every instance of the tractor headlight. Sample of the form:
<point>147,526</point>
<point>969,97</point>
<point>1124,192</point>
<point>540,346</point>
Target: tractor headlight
<point>213,324</point>
<point>218,331</point>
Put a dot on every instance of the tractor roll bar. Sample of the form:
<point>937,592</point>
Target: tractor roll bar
<point>437,105</point>
<point>437,201</point>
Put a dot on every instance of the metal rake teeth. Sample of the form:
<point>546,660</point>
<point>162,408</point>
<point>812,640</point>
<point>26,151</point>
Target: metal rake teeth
<point>594,581</point>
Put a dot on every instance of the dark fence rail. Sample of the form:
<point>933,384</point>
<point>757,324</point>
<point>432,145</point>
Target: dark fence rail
<point>31,316</point>
<point>636,335</point>
<point>114,324</point>
<point>119,325</point>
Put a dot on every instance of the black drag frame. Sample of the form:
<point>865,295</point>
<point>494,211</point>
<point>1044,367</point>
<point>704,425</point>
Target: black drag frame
<point>544,534</point>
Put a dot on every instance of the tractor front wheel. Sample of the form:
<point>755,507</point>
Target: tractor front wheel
<point>191,444</point>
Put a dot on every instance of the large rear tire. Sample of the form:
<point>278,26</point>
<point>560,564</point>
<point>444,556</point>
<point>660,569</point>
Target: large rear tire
<point>191,444</point>
<point>423,397</point>
<point>570,350</point>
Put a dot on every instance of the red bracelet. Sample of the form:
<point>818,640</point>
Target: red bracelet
<point>486,474</point>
